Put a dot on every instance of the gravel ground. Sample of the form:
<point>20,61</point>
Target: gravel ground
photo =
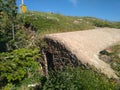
<point>87,44</point>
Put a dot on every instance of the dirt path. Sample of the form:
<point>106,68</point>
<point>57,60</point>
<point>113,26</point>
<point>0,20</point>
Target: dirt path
<point>86,45</point>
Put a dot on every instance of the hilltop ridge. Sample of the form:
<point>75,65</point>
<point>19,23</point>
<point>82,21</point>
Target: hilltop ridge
<point>52,22</point>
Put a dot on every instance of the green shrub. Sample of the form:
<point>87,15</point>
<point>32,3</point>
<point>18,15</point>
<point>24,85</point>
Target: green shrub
<point>78,79</point>
<point>9,86</point>
<point>16,65</point>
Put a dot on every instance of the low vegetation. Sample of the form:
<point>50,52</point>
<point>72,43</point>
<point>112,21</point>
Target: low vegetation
<point>79,78</point>
<point>49,22</point>
<point>116,58</point>
<point>20,39</point>
<point>112,56</point>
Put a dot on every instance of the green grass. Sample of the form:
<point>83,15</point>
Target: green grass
<point>51,23</point>
<point>78,78</point>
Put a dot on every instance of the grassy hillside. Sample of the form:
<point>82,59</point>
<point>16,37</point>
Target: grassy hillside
<point>20,69</point>
<point>33,25</point>
<point>44,23</point>
<point>50,22</point>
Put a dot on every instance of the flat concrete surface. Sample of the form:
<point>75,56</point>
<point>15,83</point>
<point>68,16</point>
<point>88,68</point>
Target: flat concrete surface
<point>87,44</point>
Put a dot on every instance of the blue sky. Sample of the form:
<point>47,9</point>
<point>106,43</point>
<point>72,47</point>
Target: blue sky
<point>104,9</point>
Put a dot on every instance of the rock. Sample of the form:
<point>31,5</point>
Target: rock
<point>76,22</point>
<point>106,58</point>
<point>33,85</point>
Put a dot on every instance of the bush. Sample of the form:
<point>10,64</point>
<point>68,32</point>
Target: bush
<point>78,79</point>
<point>16,65</point>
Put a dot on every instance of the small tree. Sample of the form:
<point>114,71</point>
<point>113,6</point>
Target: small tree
<point>8,12</point>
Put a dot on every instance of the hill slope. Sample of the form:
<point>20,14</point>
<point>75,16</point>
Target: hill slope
<point>18,57</point>
<point>50,22</point>
<point>84,45</point>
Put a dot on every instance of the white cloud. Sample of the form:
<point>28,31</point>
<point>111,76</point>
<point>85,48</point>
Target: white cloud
<point>74,2</point>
